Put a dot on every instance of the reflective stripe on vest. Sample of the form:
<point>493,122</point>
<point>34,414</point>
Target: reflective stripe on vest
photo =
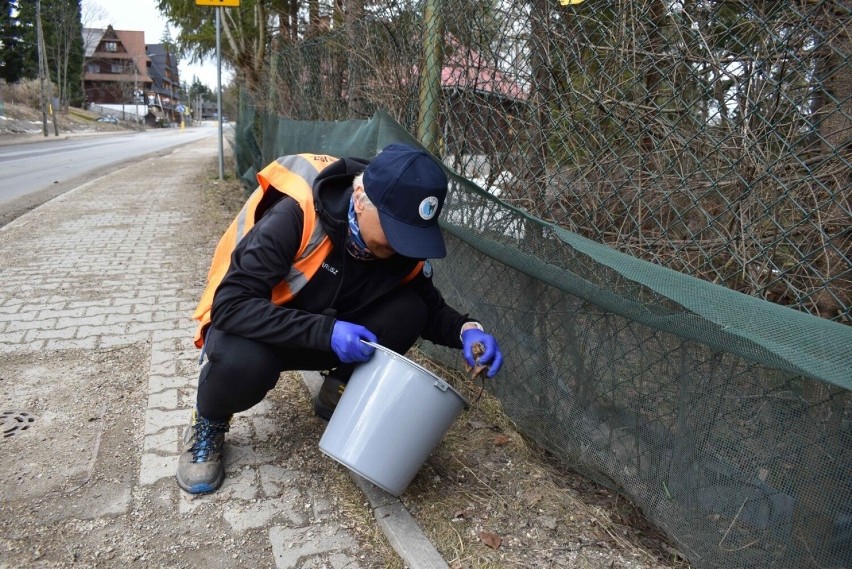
<point>293,176</point>
<point>315,245</point>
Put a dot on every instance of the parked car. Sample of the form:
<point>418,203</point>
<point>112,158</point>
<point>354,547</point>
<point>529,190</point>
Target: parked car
<point>109,119</point>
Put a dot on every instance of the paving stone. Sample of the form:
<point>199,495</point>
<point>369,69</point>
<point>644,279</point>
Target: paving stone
<point>115,331</point>
<point>157,383</point>
<point>124,339</point>
<point>290,546</point>
<point>72,344</point>
<point>157,419</point>
<point>123,317</point>
<point>137,327</point>
<point>274,479</point>
<point>240,484</point>
<point>241,455</point>
<point>65,321</point>
<point>66,313</point>
<point>12,338</point>
<point>167,399</point>
<point>175,334</point>
<point>259,513</point>
<point>65,334</point>
<point>165,442</point>
<point>155,467</point>
<point>32,324</point>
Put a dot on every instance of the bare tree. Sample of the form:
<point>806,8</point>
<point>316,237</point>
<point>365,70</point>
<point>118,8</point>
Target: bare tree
<point>90,16</point>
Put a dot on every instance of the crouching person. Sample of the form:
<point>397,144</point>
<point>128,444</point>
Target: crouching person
<point>326,253</point>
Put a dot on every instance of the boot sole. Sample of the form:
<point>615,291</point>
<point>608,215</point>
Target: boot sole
<point>202,487</point>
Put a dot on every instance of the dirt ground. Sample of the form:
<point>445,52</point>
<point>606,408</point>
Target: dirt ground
<point>486,498</point>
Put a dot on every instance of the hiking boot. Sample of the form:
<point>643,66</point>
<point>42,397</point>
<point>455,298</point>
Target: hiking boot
<point>328,397</point>
<point>200,467</point>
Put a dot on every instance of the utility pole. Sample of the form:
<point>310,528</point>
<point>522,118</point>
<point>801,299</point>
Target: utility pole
<point>219,90</point>
<point>46,99</point>
<point>39,41</point>
<point>218,4</point>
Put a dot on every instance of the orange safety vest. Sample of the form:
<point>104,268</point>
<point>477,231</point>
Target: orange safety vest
<point>293,176</point>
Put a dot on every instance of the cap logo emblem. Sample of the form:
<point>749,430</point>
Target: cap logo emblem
<point>428,208</point>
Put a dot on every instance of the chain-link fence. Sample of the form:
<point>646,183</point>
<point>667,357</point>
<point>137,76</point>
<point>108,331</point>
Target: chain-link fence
<point>598,146</point>
<point>712,137</point>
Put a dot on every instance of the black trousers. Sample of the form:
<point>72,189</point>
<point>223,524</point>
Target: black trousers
<point>240,371</point>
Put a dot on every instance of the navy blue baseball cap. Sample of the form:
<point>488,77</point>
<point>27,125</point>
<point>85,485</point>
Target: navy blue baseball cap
<point>408,188</point>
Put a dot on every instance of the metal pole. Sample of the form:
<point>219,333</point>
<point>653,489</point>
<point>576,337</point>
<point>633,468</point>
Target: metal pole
<point>219,90</point>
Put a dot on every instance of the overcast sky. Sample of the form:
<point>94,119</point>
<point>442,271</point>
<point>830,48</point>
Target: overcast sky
<point>142,15</point>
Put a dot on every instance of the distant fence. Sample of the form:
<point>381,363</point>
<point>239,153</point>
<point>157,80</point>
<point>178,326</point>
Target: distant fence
<point>134,113</point>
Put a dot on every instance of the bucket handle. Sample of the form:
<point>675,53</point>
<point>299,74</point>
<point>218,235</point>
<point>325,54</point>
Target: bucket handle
<point>439,383</point>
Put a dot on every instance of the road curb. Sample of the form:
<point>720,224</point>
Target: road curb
<point>401,530</point>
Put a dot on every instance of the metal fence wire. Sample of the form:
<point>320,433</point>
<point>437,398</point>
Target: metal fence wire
<point>623,170</point>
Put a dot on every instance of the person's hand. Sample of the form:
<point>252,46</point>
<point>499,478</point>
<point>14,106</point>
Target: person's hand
<point>346,342</point>
<point>491,356</point>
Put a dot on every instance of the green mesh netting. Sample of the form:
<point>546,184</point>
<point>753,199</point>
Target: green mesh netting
<point>726,418</point>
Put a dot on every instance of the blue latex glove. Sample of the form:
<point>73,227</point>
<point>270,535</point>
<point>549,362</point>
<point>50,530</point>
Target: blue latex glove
<point>346,342</point>
<point>492,357</point>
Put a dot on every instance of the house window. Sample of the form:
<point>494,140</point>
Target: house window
<point>110,46</point>
<point>93,68</point>
<point>116,68</point>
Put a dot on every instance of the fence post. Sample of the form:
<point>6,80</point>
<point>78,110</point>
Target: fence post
<point>430,76</point>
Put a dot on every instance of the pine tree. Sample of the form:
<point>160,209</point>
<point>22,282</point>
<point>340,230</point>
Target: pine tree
<point>11,45</point>
<point>28,38</point>
<point>63,39</point>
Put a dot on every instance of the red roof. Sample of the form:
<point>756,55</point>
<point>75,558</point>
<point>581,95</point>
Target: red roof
<point>464,68</point>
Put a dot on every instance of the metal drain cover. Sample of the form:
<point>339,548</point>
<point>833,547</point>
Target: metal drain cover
<point>13,422</point>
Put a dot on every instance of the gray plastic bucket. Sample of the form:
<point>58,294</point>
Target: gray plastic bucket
<point>391,416</point>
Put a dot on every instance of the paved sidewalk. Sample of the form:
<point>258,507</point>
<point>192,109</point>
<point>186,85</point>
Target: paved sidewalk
<point>97,377</point>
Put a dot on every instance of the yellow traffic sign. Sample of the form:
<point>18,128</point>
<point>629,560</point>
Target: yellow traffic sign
<point>228,3</point>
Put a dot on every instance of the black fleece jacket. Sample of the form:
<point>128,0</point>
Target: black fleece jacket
<point>343,284</point>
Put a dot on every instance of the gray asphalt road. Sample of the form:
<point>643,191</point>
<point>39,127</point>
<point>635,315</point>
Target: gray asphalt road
<point>32,173</point>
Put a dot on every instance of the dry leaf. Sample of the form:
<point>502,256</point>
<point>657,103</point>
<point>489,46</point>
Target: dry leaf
<point>492,540</point>
<point>478,349</point>
<point>501,440</point>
